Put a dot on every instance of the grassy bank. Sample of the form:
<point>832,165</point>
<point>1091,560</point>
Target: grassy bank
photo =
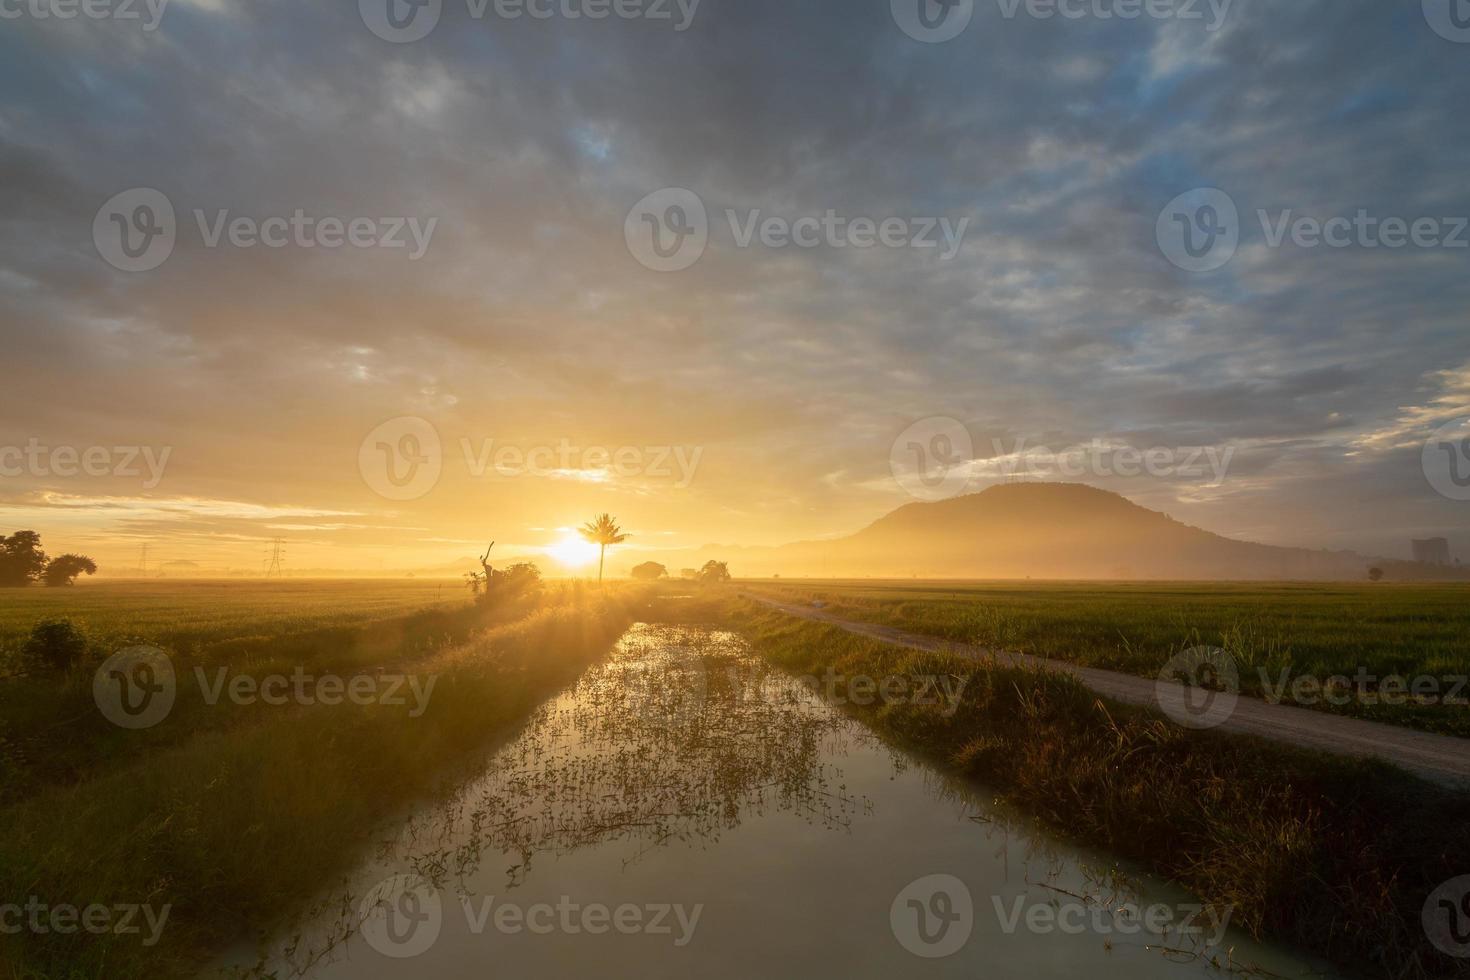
<point>181,614</point>
<point>1334,856</point>
<point>235,827</point>
<point>51,732</point>
<point>1306,630</point>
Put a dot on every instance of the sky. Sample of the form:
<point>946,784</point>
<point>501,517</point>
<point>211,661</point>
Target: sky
<point>381,281</point>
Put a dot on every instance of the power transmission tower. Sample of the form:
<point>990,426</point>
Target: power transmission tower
<point>276,560</point>
<point>143,561</point>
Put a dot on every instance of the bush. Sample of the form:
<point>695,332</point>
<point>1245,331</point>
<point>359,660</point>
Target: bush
<point>714,573</point>
<point>54,644</point>
<point>522,580</point>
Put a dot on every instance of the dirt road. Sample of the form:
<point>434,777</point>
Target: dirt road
<point>1441,759</point>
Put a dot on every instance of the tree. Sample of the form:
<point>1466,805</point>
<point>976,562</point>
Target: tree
<point>496,585</point>
<point>714,573</point>
<point>54,644</point>
<point>65,569</point>
<point>603,532</point>
<point>21,558</point>
<point>650,571</point>
<point>1375,574</point>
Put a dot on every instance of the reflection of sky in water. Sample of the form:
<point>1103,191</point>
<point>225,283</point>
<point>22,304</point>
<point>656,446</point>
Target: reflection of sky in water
<point>684,774</point>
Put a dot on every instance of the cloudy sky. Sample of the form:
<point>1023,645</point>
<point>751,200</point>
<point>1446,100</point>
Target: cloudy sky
<point>880,227</point>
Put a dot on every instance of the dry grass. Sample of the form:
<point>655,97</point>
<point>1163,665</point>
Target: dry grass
<point>1332,855</point>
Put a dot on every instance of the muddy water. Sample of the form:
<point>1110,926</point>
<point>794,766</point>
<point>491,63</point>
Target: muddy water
<point>687,811</point>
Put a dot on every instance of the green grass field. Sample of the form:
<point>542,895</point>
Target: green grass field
<point>234,813</point>
<point>183,613</point>
<point>1319,630</point>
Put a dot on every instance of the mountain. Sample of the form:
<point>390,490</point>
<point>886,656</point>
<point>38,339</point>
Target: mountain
<point>1053,531</point>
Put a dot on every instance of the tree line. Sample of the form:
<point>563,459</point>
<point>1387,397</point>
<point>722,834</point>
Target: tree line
<point>22,562</point>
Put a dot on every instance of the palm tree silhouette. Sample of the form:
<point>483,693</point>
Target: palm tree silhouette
<point>602,532</point>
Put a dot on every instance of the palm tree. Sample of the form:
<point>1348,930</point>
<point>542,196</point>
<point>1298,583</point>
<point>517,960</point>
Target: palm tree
<point>602,532</point>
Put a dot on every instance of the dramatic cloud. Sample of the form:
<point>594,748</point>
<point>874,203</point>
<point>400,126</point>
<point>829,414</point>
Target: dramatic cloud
<point>509,152</point>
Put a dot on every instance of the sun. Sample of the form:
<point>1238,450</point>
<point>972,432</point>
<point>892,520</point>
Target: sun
<point>573,551</point>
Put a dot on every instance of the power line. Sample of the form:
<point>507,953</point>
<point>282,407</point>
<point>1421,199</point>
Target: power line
<point>276,560</point>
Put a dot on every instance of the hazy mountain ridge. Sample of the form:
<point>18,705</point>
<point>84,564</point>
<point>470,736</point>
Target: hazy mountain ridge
<point>1057,531</point>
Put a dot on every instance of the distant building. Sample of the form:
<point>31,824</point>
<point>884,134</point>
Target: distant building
<point>689,573</point>
<point>1432,551</point>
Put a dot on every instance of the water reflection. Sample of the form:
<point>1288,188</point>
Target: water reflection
<point>679,737</point>
<point>776,835</point>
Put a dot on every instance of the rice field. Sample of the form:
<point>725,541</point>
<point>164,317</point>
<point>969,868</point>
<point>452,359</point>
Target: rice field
<point>175,612</point>
<point>1273,631</point>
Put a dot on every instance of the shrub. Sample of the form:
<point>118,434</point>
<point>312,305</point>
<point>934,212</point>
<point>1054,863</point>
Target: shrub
<point>54,644</point>
<point>714,573</point>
